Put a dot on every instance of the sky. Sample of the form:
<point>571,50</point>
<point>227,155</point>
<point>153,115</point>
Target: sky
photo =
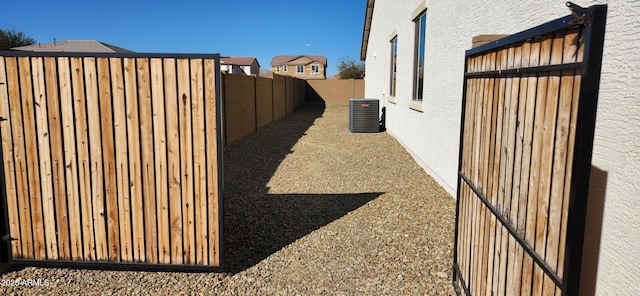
<point>236,28</point>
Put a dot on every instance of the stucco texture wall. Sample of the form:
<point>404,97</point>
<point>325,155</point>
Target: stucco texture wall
<point>612,258</point>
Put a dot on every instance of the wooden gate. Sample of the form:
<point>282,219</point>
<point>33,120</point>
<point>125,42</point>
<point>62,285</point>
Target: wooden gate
<point>111,159</point>
<point>528,120</point>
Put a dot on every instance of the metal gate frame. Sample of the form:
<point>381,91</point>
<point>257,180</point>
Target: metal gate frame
<point>208,97</point>
<point>592,21</point>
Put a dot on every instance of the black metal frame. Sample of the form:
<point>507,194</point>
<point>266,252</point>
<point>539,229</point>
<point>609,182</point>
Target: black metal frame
<point>6,255</point>
<point>593,19</point>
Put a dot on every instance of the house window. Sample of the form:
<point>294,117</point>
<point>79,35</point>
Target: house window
<point>394,64</point>
<point>284,68</point>
<point>277,69</point>
<point>418,73</point>
<point>314,68</point>
<point>300,69</point>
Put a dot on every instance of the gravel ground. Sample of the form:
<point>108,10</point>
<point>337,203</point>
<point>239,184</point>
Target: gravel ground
<point>310,209</point>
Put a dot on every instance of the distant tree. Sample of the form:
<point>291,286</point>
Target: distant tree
<point>12,38</point>
<point>350,68</point>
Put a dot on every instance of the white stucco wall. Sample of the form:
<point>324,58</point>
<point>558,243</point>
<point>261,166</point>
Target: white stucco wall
<point>612,255</point>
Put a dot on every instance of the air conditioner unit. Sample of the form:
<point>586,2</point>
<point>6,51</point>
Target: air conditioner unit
<point>363,115</point>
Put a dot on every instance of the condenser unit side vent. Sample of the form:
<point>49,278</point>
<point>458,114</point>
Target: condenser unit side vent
<point>363,115</point>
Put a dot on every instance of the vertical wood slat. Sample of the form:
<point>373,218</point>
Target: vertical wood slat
<point>160,148</point>
<point>495,156</point>
<point>557,146</point>
<point>186,160</point>
<point>576,49</point>
<point>545,133</point>
<point>121,162</point>
<point>19,153</point>
<point>200,166</point>
<point>468,234</point>
<point>538,92</point>
<point>31,145</point>
<point>83,161</point>
<point>173,161</point>
<point>48,207</point>
<point>213,177</point>
<point>111,159</point>
<point>95,155</point>
<point>135,168</point>
<point>512,186</point>
<point>57,157</point>
<point>148,165</point>
<point>6,128</point>
<point>521,163</point>
<point>70,157</point>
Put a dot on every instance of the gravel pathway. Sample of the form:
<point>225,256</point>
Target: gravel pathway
<point>310,209</point>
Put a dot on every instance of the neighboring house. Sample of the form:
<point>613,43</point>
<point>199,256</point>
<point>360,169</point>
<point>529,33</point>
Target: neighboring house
<point>423,111</point>
<point>300,66</point>
<point>240,65</point>
<point>74,46</point>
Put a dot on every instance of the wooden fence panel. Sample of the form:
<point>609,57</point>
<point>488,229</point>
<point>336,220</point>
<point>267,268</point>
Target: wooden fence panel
<point>112,159</point>
<point>520,202</point>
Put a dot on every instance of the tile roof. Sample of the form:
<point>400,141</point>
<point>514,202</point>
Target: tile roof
<point>74,46</point>
<point>290,59</point>
<point>240,61</point>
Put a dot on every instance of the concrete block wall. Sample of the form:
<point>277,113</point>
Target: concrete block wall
<point>253,102</point>
<point>335,91</point>
<point>264,101</point>
<point>279,103</point>
<point>240,106</point>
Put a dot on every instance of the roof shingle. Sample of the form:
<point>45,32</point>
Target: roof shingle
<point>74,46</point>
<point>290,59</point>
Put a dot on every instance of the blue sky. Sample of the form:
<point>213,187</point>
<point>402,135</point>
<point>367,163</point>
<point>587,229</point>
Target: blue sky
<point>259,28</point>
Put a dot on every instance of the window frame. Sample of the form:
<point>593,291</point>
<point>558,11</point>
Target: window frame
<point>393,71</point>
<point>420,22</point>
<point>298,67</point>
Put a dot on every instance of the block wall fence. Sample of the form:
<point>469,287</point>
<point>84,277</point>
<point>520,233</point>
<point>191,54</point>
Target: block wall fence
<point>250,102</point>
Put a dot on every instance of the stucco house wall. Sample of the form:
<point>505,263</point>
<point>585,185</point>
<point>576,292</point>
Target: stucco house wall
<point>612,259</point>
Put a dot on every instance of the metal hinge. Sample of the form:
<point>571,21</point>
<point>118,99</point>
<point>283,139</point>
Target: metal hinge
<point>581,14</point>
<point>8,238</point>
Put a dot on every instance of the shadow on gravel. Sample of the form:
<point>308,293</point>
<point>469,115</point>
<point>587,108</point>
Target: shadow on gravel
<point>258,224</point>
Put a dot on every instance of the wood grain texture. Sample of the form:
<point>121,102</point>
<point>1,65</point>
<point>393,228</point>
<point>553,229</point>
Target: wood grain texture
<point>517,147</point>
<point>95,154</point>
<point>147,156</point>
<point>19,154</point>
<point>186,160</point>
<point>161,171</point>
<point>83,159</point>
<point>121,158</point>
<point>111,159</point>
<point>44,156</point>
<point>135,168</point>
<point>8,162</point>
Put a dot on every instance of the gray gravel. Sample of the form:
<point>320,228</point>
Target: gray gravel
<point>310,209</point>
